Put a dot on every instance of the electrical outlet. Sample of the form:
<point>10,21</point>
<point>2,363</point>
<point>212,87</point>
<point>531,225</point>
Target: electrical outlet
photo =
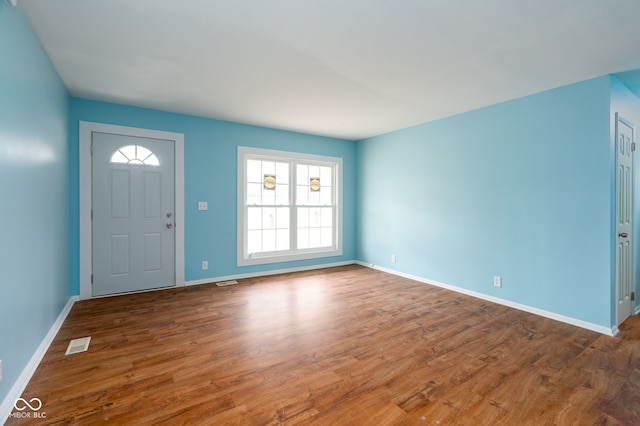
<point>497,281</point>
<point>205,265</point>
<point>393,258</point>
<point>203,205</point>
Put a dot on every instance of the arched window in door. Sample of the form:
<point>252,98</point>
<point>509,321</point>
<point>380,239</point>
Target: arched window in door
<point>135,155</point>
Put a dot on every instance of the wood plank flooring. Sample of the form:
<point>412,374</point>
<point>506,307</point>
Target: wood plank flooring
<point>341,346</point>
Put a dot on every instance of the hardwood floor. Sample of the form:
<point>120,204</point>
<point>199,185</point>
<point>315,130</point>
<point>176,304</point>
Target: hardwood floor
<point>341,346</point>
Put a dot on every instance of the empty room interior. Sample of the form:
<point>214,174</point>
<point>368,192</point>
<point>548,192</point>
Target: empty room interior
<point>319,212</point>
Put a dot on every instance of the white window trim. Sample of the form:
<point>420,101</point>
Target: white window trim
<point>243,258</point>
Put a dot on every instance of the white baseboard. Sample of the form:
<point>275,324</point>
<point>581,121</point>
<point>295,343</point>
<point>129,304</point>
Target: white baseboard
<point>265,273</point>
<point>552,315</point>
<point>23,380</point>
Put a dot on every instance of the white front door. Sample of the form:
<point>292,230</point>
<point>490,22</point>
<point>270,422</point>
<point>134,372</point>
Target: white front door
<point>624,219</point>
<point>133,208</point>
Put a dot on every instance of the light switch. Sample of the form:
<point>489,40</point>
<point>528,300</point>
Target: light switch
<point>203,205</point>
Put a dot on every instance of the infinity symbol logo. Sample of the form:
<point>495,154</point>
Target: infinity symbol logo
<point>25,404</point>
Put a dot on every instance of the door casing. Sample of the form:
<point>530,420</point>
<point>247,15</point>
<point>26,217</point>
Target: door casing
<point>86,130</point>
<point>624,215</point>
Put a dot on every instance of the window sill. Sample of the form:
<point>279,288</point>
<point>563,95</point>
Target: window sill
<point>288,257</point>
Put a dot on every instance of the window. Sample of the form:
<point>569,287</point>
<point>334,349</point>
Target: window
<point>288,206</point>
<point>134,154</point>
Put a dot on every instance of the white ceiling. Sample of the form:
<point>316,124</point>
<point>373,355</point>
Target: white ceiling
<point>342,68</point>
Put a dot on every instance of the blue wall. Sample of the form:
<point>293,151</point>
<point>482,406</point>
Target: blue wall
<point>211,175</point>
<point>521,189</point>
<point>34,254</point>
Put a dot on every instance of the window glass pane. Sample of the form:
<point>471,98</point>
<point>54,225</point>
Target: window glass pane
<point>118,157</point>
<point>314,197</point>
<point>302,195</point>
<point>254,241</point>
<point>303,217</point>
<point>326,237</point>
<point>142,153</point>
<point>268,197</point>
<point>302,171</point>
<point>269,240</point>
<point>325,176</point>
<point>282,172</point>
<point>135,155</point>
<point>282,239</point>
<point>269,168</point>
<point>129,151</point>
<point>303,239</point>
<point>325,196</point>
<point>254,218</point>
<point>152,160</point>
<point>254,193</point>
<point>326,217</point>
<point>282,195</point>
<point>314,172</point>
<point>254,171</point>
<point>268,218</point>
<point>314,218</point>
<point>282,219</point>
<point>314,237</point>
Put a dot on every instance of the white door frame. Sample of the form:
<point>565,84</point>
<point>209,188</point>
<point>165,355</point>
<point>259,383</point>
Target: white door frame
<point>619,119</point>
<point>86,130</point>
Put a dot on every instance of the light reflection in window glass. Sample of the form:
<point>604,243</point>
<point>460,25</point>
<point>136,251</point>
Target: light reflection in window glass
<point>135,155</point>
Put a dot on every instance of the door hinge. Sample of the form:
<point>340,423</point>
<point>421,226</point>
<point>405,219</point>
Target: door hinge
<point>633,295</point>
<point>633,146</point>
<point>91,278</point>
<point>91,149</point>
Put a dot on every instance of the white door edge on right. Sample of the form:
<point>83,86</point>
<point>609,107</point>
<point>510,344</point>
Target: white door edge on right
<point>625,276</point>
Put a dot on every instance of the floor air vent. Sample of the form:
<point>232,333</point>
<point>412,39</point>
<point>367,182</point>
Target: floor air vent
<point>223,283</point>
<point>78,345</point>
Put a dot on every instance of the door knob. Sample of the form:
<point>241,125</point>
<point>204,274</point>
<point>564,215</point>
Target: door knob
<point>623,234</point>
<point>169,214</point>
<point>169,225</point>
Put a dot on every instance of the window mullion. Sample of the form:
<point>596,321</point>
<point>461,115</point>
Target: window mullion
<point>337,205</point>
<point>293,212</point>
